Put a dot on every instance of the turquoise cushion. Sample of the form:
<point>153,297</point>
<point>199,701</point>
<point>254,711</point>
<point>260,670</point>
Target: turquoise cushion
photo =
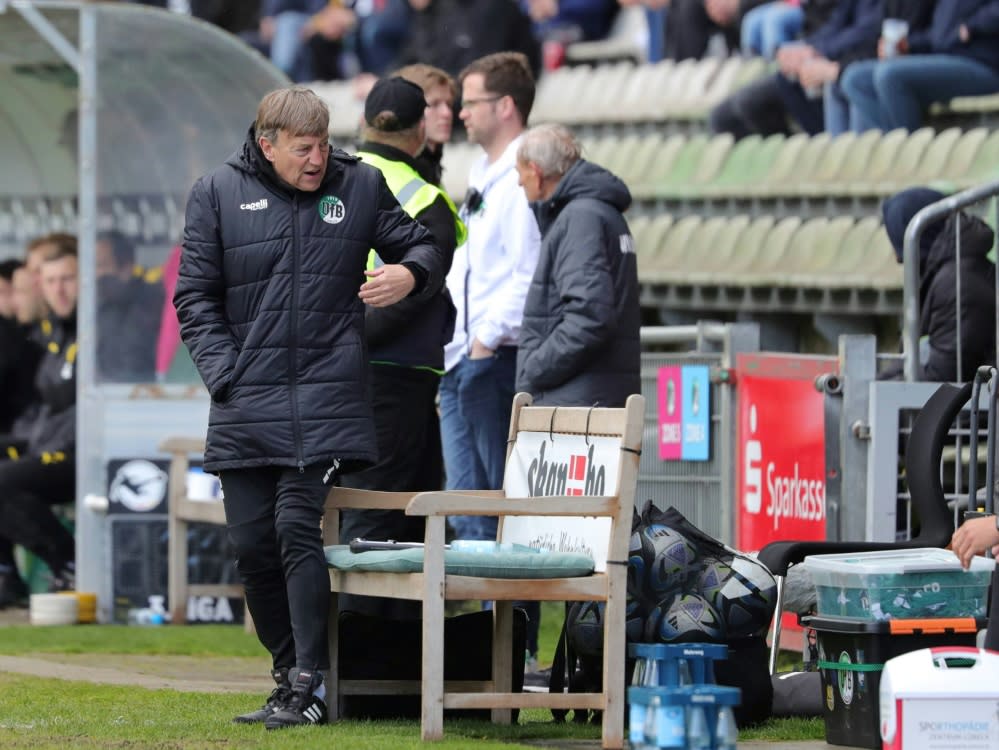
<point>513,561</point>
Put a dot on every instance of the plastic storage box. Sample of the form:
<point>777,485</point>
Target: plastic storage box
<point>909,584</point>
<point>852,655</point>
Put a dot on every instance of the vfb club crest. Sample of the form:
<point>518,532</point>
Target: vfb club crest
<point>332,210</point>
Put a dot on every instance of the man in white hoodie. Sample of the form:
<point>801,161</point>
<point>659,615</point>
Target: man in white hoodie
<point>488,281</point>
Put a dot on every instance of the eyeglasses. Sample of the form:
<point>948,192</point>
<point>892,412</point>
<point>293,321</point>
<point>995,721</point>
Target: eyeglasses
<point>468,103</point>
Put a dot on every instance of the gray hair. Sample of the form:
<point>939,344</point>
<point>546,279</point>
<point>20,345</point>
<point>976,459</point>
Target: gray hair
<point>552,147</point>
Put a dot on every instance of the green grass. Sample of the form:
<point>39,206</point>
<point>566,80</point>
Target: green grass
<point>36,712</point>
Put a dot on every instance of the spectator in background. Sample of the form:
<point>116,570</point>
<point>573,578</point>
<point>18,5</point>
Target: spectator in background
<point>655,19</point>
<point>558,23</point>
<point>7,268</point>
<point>764,106</point>
<point>839,115</point>
<point>440,91</point>
<point>957,56</point>
<point>18,352</point>
<point>579,340</point>
<point>768,26</point>
<point>938,277</point>
<point>29,307</point>
<point>327,39</point>
<point>691,24</point>
<point>405,340</point>
<point>43,474</point>
<point>451,34</point>
<point>234,16</point>
<point>128,313</point>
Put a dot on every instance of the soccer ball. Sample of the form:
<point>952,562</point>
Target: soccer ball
<point>641,555</point>
<point>711,579</point>
<point>687,618</point>
<point>747,598</point>
<point>674,561</point>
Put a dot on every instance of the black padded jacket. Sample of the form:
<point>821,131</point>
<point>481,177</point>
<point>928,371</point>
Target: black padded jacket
<point>267,299</point>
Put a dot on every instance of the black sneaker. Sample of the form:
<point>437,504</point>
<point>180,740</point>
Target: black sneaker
<point>303,707</point>
<point>275,701</point>
<point>13,590</point>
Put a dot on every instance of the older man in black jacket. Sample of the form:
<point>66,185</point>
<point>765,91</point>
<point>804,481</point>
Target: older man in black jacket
<point>579,341</point>
<point>270,299</point>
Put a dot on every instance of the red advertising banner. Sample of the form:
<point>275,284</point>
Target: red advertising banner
<point>780,475</point>
<point>780,452</point>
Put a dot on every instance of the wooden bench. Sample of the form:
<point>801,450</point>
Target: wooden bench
<point>608,443</point>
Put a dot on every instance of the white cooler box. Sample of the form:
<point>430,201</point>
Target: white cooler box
<point>944,698</point>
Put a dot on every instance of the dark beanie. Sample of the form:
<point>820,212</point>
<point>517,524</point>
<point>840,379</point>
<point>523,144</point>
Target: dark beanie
<point>402,98</point>
<point>898,211</point>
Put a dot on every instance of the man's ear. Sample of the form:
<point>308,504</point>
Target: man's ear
<point>266,147</point>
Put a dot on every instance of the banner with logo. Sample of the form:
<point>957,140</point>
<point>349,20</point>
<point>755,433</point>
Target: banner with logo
<point>543,464</point>
<point>684,399</point>
<point>780,461</point>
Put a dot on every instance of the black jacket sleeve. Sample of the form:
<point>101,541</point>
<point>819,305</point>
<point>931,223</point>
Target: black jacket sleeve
<point>381,323</point>
<point>200,295</point>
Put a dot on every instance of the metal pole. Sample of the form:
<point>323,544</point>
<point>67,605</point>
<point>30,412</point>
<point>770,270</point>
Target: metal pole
<point>910,258</point>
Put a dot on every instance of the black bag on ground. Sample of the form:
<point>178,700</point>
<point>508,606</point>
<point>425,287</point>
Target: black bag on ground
<point>377,648</point>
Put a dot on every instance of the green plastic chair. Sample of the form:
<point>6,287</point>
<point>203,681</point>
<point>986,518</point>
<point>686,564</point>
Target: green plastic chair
<point>694,253</point>
<point>905,165</point>
<point>795,165</point>
<point>750,244</point>
<point>854,260</point>
<point>705,262</point>
<point>817,257</point>
<point>660,166</point>
<point>636,166</point>
<point>696,166</point>
<point>881,162</point>
<point>931,164</point>
<point>671,248</point>
<point>962,159</point>
<point>848,166</point>
<point>766,267</point>
<point>985,166</point>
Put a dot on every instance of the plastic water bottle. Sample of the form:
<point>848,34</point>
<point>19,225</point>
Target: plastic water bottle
<point>670,730</point>
<point>698,732</point>
<point>726,731</point>
<point>650,723</point>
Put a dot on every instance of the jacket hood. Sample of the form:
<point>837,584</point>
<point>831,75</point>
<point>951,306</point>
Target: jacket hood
<point>250,159</point>
<point>584,180</point>
<point>898,211</point>
<point>976,241</point>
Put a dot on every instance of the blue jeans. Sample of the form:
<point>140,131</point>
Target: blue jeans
<point>896,93</point>
<point>287,47</point>
<point>766,27</point>
<point>476,398</point>
<point>840,115</point>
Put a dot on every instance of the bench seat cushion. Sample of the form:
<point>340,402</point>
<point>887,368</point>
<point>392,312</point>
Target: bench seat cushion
<point>508,561</point>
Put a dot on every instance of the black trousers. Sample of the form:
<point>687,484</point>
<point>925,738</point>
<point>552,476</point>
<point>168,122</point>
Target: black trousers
<point>755,108</point>
<point>29,488</point>
<point>273,516</point>
<point>689,29</point>
<point>410,458</point>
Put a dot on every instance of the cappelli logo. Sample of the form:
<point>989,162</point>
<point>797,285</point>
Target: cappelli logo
<point>332,210</point>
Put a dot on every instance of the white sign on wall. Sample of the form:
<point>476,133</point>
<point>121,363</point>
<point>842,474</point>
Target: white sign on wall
<point>543,464</point>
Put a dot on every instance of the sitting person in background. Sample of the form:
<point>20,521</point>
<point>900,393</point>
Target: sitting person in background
<point>451,34</point>
<point>938,277</point>
<point>128,313</point>
<point>691,24</point>
<point>558,23</point>
<point>768,26</point>
<point>839,115</point>
<point>958,55</point>
<point>763,107</point>
<point>440,91</point>
<point>44,473</point>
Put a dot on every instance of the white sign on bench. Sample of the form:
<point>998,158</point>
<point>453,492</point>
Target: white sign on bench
<point>559,464</point>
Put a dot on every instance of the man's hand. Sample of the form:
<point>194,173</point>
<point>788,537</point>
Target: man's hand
<point>818,71</point>
<point>964,33</point>
<point>973,537</point>
<point>480,350</point>
<point>790,58</point>
<point>386,285</point>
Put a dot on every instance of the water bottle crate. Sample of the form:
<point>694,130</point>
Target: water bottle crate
<point>676,664</point>
<point>687,717</point>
